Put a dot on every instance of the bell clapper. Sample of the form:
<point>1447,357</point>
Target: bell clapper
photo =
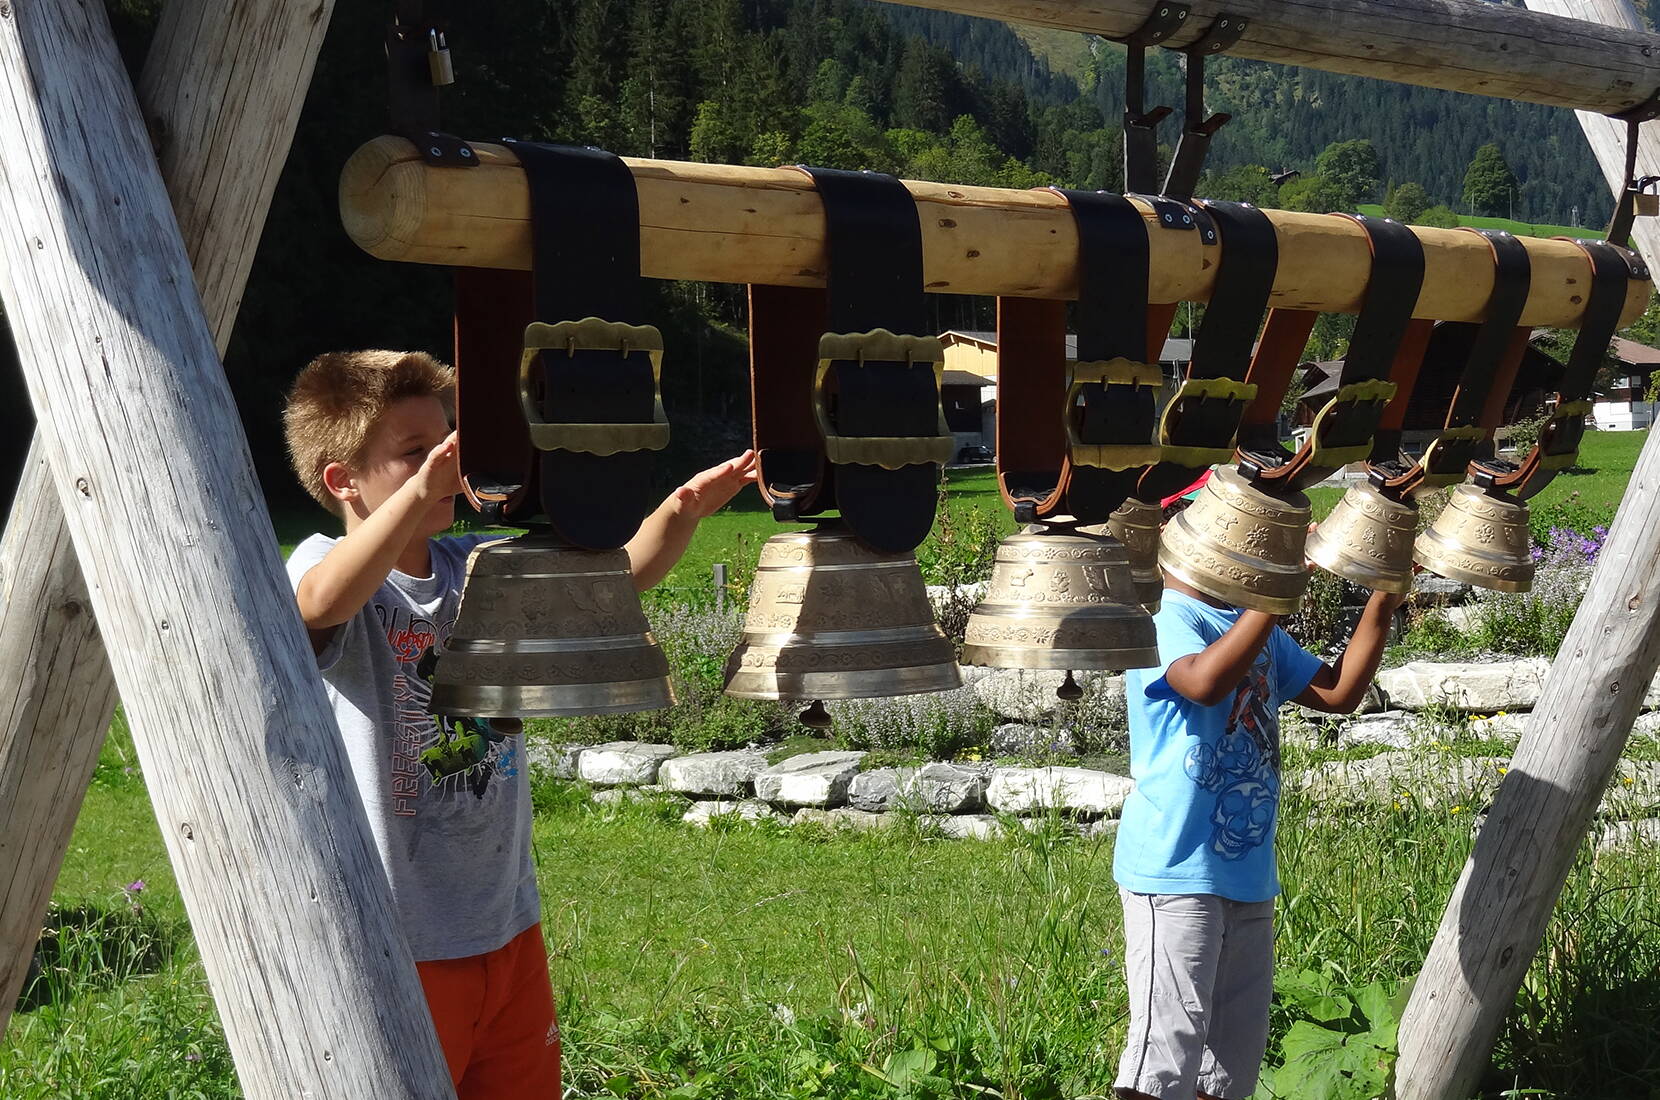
<point>1069,689</point>
<point>815,717</point>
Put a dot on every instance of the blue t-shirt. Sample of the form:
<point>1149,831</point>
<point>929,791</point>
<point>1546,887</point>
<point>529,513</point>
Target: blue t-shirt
<point>1201,819</point>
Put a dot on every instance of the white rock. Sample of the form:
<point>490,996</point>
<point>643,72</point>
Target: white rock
<point>1104,828</point>
<point>932,788</point>
<point>1499,727</point>
<point>841,818</point>
<point>619,763</point>
<point>553,761</point>
<point>1079,790</point>
<point>1629,834</point>
<point>1634,791</point>
<point>1475,688</point>
<point>968,826</point>
<point>617,796</point>
<point>1393,728</point>
<point>712,774</point>
<point>1028,694</point>
<point>938,594</point>
<point>1428,779</point>
<point>702,812</point>
<point>811,779</point>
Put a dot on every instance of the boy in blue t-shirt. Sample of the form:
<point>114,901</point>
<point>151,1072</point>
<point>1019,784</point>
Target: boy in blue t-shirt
<point>1194,859</point>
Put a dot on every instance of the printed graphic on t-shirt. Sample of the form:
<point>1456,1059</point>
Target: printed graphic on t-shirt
<point>435,761</point>
<point>1242,769</point>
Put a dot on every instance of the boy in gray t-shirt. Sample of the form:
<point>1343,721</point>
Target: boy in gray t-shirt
<point>369,435</point>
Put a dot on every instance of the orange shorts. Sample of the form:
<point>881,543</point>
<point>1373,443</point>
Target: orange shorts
<point>495,1019</point>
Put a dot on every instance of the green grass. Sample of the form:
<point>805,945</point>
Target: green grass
<point>1520,229</point>
<point>746,962</point>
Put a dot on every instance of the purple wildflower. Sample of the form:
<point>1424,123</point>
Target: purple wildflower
<point>134,887</point>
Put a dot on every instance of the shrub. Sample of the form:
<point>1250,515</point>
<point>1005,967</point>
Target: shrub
<point>940,725</point>
<point>1534,623</point>
<point>1570,513</point>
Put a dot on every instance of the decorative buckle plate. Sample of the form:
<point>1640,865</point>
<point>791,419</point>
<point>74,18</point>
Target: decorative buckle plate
<point>594,334</point>
<point>1566,413</point>
<point>1457,444</point>
<point>890,452</point>
<point>1109,373</point>
<point>1374,392</point>
<point>1203,389</point>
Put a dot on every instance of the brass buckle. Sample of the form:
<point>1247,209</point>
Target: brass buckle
<point>1204,389</point>
<point>1111,372</point>
<point>890,452</point>
<point>594,334</point>
<point>1373,391</point>
<point>1564,413</point>
<point>1432,454</point>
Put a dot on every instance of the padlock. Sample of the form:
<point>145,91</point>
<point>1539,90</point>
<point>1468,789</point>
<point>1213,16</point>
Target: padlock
<point>438,59</point>
<point>1648,204</point>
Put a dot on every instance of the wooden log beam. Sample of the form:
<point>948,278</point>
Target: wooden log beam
<point>287,900</point>
<point>725,223</point>
<point>56,693</point>
<point>1499,910</point>
<point>1573,739</point>
<point>1456,45</point>
<point>56,686</point>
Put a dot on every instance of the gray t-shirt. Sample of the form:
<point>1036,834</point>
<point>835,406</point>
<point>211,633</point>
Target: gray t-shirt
<point>450,814</point>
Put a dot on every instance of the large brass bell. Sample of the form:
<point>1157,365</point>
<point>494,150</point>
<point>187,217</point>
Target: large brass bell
<point>1367,539</point>
<point>1240,545</point>
<point>1480,538</point>
<point>1136,524</point>
<point>830,618</point>
<point>548,630</point>
<point>1061,600</point>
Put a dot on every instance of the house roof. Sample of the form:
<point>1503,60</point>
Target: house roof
<point>1174,351</point>
<point>1633,354</point>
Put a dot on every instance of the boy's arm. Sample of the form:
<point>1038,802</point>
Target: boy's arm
<point>338,587</point>
<point>665,534</point>
<point>1209,676</point>
<point>1339,688</point>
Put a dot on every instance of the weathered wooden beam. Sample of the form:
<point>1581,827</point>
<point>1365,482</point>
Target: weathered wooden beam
<point>725,223</point>
<point>1502,904</point>
<point>1456,45</point>
<point>56,694</point>
<point>56,686</point>
<point>288,903</point>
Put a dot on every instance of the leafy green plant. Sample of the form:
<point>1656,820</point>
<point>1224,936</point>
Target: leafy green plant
<point>1341,1044</point>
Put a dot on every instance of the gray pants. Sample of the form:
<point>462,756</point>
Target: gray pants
<point>1201,974</point>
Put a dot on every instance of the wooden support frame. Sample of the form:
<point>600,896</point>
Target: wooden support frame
<point>56,688</point>
<point>1456,45</point>
<point>725,223</point>
<point>271,849</point>
<point>1502,903</point>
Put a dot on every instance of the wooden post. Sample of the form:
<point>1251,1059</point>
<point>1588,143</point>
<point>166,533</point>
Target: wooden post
<point>728,223</point>
<point>1457,45</point>
<point>286,896</point>
<point>57,691</point>
<point>1500,907</point>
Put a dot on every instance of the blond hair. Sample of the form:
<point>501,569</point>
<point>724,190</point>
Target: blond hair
<point>338,399</point>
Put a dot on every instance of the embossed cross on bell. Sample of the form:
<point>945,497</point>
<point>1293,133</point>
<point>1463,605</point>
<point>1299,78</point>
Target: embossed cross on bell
<point>547,630</point>
<point>1241,545</point>
<point>830,618</point>
<point>1060,599</point>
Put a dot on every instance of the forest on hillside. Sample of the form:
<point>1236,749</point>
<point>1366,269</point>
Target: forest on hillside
<point>839,83</point>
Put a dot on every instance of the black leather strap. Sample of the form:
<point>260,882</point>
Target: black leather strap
<point>1197,425</point>
<point>585,233</point>
<point>1113,274</point>
<point>1344,429</point>
<point>1612,269</point>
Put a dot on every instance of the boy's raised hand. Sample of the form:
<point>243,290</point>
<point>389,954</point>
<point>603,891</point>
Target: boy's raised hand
<point>440,472</point>
<point>708,492</point>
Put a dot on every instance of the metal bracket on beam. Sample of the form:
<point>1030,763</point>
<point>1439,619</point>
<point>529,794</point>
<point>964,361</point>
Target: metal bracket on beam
<point>1198,129</point>
<point>1141,146</point>
<point>417,65</point>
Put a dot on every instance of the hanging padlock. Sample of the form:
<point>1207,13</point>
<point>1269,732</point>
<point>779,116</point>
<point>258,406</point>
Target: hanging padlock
<point>438,59</point>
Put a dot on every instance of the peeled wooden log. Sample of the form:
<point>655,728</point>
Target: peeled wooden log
<point>730,224</point>
<point>1458,45</point>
